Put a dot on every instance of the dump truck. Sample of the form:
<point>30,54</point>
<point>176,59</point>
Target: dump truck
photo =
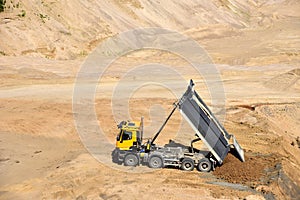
<point>131,151</point>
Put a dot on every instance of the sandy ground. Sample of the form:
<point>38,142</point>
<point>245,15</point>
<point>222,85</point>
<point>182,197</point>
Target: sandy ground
<point>42,156</point>
<point>254,45</point>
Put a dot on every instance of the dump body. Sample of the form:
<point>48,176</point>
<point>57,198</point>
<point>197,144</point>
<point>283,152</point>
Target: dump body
<point>206,126</point>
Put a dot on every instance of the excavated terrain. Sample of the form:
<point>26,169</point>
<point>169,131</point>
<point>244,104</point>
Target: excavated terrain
<point>254,45</point>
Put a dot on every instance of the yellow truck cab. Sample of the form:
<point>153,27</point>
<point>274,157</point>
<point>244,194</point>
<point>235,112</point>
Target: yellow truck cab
<point>129,136</point>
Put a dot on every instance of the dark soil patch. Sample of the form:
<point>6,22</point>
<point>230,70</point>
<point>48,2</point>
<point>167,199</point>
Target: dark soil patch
<point>251,172</point>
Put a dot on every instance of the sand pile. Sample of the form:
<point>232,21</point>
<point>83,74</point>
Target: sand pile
<point>250,172</point>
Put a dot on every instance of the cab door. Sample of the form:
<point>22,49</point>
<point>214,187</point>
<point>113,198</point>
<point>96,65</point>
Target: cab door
<point>125,140</point>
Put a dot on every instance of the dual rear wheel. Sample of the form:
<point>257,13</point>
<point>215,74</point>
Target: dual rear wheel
<point>204,165</point>
<point>187,164</point>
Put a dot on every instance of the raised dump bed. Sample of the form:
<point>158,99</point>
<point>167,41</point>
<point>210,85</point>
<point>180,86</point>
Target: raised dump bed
<point>206,126</point>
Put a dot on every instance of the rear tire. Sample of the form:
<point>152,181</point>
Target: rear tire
<point>204,165</point>
<point>131,160</point>
<point>187,164</point>
<point>155,162</point>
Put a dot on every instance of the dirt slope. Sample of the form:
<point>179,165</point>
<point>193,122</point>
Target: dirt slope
<point>71,29</point>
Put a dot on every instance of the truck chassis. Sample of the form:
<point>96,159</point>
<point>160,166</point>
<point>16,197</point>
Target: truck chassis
<point>168,156</point>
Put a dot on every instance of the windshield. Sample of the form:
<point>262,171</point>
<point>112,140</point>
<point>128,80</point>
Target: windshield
<point>127,135</point>
<point>124,135</point>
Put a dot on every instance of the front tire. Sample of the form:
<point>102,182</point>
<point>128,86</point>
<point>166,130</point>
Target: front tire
<point>131,160</point>
<point>187,164</point>
<point>155,162</point>
<point>204,165</point>
<point>115,157</point>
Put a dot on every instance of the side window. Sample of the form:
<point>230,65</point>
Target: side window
<point>127,135</point>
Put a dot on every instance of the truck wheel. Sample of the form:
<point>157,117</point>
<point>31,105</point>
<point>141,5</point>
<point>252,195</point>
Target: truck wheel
<point>115,156</point>
<point>131,160</point>
<point>204,165</point>
<point>155,162</point>
<point>187,164</point>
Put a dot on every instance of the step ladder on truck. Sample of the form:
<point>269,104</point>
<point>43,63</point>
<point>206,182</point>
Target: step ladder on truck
<point>131,151</point>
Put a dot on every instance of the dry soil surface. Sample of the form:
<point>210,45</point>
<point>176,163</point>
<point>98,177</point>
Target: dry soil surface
<point>255,48</point>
